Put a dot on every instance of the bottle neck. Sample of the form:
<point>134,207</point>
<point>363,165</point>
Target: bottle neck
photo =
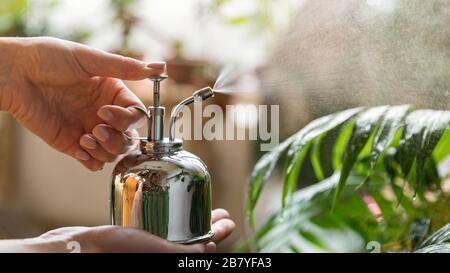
<point>161,147</point>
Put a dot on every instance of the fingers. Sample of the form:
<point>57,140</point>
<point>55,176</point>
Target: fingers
<point>118,239</point>
<point>111,140</point>
<point>88,161</point>
<point>121,94</point>
<point>112,239</point>
<point>218,214</point>
<point>104,144</point>
<point>93,164</point>
<point>95,150</point>
<point>100,63</point>
<point>121,118</point>
<point>211,247</point>
<point>120,113</point>
<point>222,229</point>
<point>77,152</point>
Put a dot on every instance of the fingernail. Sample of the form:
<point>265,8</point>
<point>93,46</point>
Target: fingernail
<point>105,114</point>
<point>156,65</point>
<point>82,155</point>
<point>157,68</point>
<point>88,142</point>
<point>101,133</point>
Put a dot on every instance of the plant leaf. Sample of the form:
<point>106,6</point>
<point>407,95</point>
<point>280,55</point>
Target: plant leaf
<point>311,237</point>
<point>261,172</point>
<point>264,167</point>
<point>341,144</point>
<point>440,236</point>
<point>412,150</point>
<point>315,159</point>
<point>385,133</point>
<point>364,126</point>
<point>442,150</point>
<point>439,120</point>
<point>309,211</point>
<point>290,178</point>
<point>313,130</point>
<point>317,128</point>
<point>423,130</point>
<point>439,248</point>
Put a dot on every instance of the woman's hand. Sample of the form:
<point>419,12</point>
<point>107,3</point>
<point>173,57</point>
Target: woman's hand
<point>116,239</point>
<point>70,95</point>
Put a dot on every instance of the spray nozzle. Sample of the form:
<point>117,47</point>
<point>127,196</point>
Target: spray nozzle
<point>155,113</point>
<point>201,95</point>
<point>204,93</point>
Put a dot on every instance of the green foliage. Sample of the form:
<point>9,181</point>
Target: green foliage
<point>438,242</point>
<point>379,150</point>
<point>363,129</point>
<point>298,147</point>
<point>349,226</point>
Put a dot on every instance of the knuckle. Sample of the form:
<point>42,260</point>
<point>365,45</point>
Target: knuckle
<point>122,126</point>
<point>130,66</point>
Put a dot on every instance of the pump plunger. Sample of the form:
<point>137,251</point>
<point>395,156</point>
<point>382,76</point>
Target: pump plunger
<point>156,124</point>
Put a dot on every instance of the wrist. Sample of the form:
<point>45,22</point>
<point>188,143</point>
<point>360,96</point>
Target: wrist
<point>11,55</point>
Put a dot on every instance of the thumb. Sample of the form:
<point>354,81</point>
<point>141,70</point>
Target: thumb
<point>96,62</point>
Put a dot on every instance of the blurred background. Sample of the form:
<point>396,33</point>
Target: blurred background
<point>310,57</point>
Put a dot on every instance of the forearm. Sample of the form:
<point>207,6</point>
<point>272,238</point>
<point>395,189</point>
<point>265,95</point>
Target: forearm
<point>11,53</point>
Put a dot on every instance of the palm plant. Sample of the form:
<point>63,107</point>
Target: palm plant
<point>378,184</point>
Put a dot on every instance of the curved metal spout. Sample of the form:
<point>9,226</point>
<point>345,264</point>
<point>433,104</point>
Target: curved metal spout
<point>201,94</point>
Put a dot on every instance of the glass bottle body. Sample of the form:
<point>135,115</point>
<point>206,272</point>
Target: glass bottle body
<point>165,192</point>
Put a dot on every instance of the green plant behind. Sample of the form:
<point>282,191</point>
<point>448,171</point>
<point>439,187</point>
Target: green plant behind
<point>386,146</point>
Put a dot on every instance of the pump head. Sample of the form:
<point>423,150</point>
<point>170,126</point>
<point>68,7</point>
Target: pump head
<point>155,113</point>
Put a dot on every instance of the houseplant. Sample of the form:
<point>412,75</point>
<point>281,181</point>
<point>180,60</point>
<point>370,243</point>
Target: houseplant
<point>379,184</point>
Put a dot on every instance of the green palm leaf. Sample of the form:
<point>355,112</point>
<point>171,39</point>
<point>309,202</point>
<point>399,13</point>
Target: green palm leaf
<point>364,127</point>
<point>383,144</point>
<point>390,123</point>
<point>439,248</point>
<point>299,147</point>
<point>262,171</point>
<point>438,242</point>
<point>439,237</point>
<point>296,144</point>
